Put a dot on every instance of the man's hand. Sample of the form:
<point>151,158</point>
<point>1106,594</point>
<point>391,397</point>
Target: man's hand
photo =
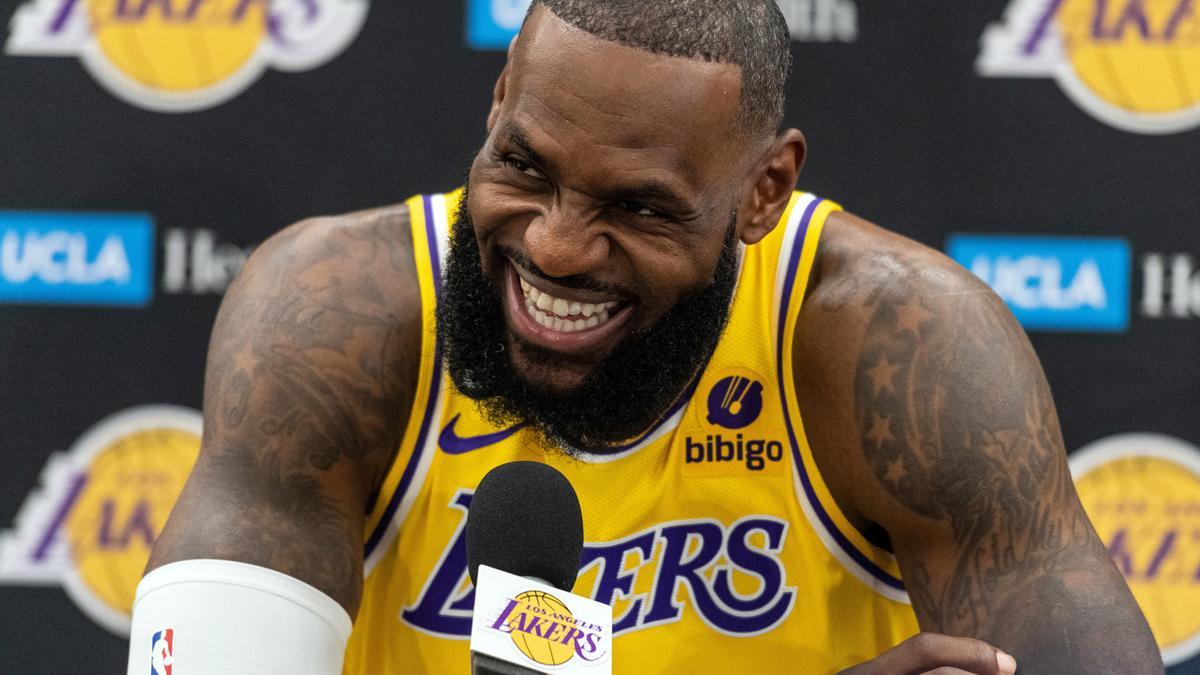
<point>939,654</point>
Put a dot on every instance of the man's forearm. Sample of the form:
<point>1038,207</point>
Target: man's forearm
<point>1066,612</point>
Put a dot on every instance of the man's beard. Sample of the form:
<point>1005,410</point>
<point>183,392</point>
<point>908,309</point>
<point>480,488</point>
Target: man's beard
<point>626,393</point>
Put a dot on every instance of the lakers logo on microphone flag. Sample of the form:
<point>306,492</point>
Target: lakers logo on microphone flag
<point>521,621</point>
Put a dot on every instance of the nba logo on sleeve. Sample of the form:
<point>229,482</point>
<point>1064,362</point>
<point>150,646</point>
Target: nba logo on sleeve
<point>162,652</point>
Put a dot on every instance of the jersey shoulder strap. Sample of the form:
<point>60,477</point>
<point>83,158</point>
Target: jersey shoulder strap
<point>429,220</point>
<point>797,255</point>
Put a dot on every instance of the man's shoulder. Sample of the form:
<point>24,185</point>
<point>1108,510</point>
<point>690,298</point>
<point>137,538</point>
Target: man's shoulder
<point>863,271</point>
<point>342,237</point>
<point>326,317</point>
<point>875,297</point>
<point>860,264</point>
<point>356,262</point>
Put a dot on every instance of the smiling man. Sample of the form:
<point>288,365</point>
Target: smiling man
<point>798,439</point>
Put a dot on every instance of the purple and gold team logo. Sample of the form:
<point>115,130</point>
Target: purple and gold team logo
<point>90,525</point>
<point>1133,64</point>
<point>1142,492</point>
<point>543,628</point>
<point>185,55</point>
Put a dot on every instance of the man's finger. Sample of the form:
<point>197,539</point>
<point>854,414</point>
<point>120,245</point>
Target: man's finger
<point>929,651</point>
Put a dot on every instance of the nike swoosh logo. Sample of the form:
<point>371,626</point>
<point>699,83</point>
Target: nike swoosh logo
<point>453,444</point>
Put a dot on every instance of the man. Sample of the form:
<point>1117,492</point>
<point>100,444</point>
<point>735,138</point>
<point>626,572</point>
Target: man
<point>785,424</point>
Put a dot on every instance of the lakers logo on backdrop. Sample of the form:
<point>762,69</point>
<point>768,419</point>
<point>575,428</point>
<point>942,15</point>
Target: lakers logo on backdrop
<point>1134,64</point>
<point>100,507</point>
<point>185,55</point>
<point>1142,492</point>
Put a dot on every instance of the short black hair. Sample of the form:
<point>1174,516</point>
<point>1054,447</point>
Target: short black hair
<point>751,34</point>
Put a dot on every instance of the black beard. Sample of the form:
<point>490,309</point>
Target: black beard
<point>625,394</point>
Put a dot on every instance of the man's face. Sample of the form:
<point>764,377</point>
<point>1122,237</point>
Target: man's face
<point>604,206</point>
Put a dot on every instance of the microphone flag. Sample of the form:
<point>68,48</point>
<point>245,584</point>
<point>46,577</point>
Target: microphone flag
<point>541,628</point>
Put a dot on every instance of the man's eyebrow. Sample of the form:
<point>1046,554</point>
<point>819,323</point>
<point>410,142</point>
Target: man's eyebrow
<point>514,135</point>
<point>653,191</point>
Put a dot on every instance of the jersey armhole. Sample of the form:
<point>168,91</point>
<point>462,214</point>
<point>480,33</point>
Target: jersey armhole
<point>871,564</point>
<point>429,219</point>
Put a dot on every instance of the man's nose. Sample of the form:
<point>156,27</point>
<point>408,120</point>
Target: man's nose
<point>563,243</point>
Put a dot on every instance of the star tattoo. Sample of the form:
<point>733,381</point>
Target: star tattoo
<point>881,375</point>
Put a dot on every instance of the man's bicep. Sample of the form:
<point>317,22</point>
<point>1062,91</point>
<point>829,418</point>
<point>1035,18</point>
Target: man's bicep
<point>959,429</point>
<point>300,414</point>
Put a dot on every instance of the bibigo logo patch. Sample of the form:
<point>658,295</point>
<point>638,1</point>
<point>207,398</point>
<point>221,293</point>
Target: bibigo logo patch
<point>1142,492</point>
<point>1133,64</point>
<point>185,55</point>
<point>728,437</point>
<point>90,525</point>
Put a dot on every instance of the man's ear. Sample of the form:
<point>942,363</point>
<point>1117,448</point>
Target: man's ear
<point>774,181</point>
<point>501,88</point>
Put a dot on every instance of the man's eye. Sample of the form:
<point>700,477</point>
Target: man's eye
<point>641,210</point>
<point>521,167</point>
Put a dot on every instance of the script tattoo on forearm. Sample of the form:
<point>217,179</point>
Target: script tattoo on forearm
<point>958,425</point>
<point>303,410</point>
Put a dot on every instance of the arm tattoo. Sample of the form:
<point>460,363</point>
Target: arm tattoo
<point>958,426</point>
<point>309,377</point>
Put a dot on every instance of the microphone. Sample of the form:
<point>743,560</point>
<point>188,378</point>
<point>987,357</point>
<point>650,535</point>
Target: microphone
<point>524,545</point>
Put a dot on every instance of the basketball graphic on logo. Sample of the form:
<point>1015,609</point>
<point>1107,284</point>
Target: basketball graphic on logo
<point>548,650</point>
<point>185,55</point>
<point>139,462</point>
<point>1132,64</point>
<point>1143,58</point>
<point>178,47</point>
<point>1142,492</point>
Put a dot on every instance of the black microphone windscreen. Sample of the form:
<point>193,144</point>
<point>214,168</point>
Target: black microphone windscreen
<point>525,520</point>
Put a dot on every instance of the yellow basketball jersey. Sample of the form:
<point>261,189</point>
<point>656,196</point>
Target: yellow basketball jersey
<point>713,536</point>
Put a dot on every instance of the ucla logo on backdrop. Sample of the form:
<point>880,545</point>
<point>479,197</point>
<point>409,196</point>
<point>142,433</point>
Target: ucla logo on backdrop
<point>185,55</point>
<point>1133,64</point>
<point>1142,493</point>
<point>1053,283</point>
<point>76,258</point>
<point>737,583</point>
<point>492,24</point>
<point>90,524</point>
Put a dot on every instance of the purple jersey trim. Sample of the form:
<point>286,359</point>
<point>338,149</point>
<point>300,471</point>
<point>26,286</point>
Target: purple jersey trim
<point>793,263</point>
<point>385,520</point>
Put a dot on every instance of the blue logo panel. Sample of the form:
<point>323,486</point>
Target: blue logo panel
<point>76,258</point>
<point>492,24</point>
<point>1053,283</point>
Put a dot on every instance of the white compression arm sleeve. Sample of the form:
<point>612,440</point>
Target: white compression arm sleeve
<point>210,617</point>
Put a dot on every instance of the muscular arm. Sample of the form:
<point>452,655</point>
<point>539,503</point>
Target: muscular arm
<point>955,450</point>
<point>309,376</point>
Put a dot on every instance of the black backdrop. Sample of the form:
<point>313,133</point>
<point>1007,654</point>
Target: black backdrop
<point>902,130</point>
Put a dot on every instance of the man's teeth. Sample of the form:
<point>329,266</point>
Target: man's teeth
<point>566,316</point>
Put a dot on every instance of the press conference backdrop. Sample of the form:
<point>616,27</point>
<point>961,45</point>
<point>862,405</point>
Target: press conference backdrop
<point>146,146</point>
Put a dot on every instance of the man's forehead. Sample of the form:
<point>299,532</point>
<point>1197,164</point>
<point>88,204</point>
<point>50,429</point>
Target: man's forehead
<point>619,96</point>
